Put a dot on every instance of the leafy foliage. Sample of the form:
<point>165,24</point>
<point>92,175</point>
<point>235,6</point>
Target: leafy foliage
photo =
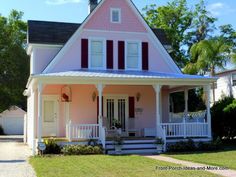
<point>223,118</point>
<point>14,62</point>
<point>1,131</point>
<point>52,147</point>
<point>81,150</point>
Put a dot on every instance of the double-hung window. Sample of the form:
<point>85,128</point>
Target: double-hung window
<point>234,79</point>
<point>115,15</point>
<point>133,55</point>
<point>97,54</point>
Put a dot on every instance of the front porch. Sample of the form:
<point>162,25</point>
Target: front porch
<point>82,109</point>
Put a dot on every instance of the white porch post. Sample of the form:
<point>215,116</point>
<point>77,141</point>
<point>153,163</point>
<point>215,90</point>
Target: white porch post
<point>100,89</point>
<point>157,89</point>
<point>207,90</point>
<point>40,110</point>
<point>186,101</point>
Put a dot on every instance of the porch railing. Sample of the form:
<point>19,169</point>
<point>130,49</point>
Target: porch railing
<point>185,129</point>
<point>82,131</point>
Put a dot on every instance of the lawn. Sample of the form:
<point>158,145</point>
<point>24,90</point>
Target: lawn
<point>225,158</point>
<point>105,166</point>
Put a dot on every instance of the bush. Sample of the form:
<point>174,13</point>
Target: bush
<point>223,118</point>
<point>1,131</point>
<point>52,147</point>
<point>182,146</point>
<point>81,150</point>
<point>190,146</point>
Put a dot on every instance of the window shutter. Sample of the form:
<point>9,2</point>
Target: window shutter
<point>109,54</point>
<point>84,53</point>
<point>98,107</point>
<point>131,107</point>
<point>145,56</point>
<point>121,55</point>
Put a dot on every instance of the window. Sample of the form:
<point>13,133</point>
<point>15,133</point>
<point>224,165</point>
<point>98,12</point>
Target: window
<point>96,54</point>
<point>234,79</point>
<point>214,86</point>
<point>133,53</point>
<point>115,16</point>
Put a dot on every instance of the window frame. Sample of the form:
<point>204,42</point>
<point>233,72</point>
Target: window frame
<point>139,55</point>
<point>90,53</point>
<point>233,80</point>
<point>111,15</point>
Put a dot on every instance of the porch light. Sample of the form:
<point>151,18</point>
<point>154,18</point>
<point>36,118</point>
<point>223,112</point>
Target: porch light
<point>138,95</point>
<point>94,95</point>
<point>66,94</point>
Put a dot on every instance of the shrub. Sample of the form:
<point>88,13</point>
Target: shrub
<point>210,146</point>
<point>182,146</point>
<point>81,150</point>
<point>1,131</point>
<point>223,118</point>
<point>52,147</point>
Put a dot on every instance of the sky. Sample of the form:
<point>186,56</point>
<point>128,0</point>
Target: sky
<point>76,10</point>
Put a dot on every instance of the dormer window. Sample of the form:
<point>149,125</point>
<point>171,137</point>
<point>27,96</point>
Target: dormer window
<point>115,15</point>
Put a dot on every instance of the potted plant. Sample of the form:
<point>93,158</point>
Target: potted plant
<point>118,142</point>
<point>159,142</point>
<point>118,125</point>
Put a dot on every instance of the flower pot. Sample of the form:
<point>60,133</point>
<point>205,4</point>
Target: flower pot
<point>118,149</point>
<point>159,148</point>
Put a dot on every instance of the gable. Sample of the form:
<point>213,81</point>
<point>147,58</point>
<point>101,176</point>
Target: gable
<point>101,19</point>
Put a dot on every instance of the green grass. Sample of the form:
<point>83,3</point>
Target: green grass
<point>225,158</point>
<point>106,166</point>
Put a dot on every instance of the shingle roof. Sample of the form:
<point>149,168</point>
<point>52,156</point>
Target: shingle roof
<point>43,32</point>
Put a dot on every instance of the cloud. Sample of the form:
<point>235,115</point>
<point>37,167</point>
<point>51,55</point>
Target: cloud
<point>60,2</point>
<point>219,8</point>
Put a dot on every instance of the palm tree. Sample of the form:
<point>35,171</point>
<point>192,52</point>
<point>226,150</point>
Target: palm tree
<point>207,55</point>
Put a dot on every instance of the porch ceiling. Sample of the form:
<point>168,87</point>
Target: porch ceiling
<point>122,77</point>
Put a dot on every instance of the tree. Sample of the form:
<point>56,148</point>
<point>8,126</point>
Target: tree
<point>14,62</point>
<point>207,55</point>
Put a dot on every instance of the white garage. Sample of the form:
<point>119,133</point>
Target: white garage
<point>12,121</point>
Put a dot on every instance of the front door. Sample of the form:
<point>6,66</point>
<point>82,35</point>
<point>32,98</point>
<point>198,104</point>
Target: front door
<point>116,111</point>
<point>50,115</point>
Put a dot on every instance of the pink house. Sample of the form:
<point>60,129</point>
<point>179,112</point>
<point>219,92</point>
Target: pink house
<point>110,73</point>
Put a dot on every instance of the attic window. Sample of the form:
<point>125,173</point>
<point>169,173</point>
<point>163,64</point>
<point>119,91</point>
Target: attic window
<point>115,15</point>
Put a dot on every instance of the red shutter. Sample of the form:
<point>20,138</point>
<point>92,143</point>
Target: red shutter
<point>145,56</point>
<point>109,54</point>
<point>131,107</point>
<point>98,107</point>
<point>121,55</point>
<point>84,53</point>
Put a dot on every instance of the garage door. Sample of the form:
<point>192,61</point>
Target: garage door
<point>13,125</point>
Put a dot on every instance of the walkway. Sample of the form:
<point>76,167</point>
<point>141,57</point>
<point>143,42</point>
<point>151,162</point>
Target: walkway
<point>13,159</point>
<point>226,173</point>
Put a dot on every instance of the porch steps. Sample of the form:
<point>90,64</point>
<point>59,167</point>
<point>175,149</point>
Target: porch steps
<point>133,147</point>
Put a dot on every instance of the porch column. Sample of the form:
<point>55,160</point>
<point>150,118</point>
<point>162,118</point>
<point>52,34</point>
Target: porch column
<point>207,90</point>
<point>40,87</point>
<point>157,89</point>
<point>100,89</point>
<point>186,101</point>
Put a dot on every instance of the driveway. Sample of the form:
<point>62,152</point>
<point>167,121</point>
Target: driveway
<point>14,158</point>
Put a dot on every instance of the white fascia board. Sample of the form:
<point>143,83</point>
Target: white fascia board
<point>71,41</point>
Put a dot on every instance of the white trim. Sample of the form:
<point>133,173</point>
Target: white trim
<point>71,41</point>
<point>34,45</point>
<point>104,53</point>
<point>56,99</point>
<point>119,15</point>
<point>140,54</point>
<point>121,32</point>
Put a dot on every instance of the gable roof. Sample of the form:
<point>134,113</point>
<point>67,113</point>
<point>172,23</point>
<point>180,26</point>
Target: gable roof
<point>44,32</point>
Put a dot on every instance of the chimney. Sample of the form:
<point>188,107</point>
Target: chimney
<point>92,5</point>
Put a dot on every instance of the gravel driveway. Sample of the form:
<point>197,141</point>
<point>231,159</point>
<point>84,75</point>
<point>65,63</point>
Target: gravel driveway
<point>14,159</point>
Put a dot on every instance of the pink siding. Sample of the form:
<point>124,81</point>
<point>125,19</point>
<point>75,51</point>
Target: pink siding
<point>84,111</point>
<point>71,60</point>
<point>101,19</point>
<point>42,57</point>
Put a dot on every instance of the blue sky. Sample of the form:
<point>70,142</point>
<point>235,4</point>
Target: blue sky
<point>76,10</point>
